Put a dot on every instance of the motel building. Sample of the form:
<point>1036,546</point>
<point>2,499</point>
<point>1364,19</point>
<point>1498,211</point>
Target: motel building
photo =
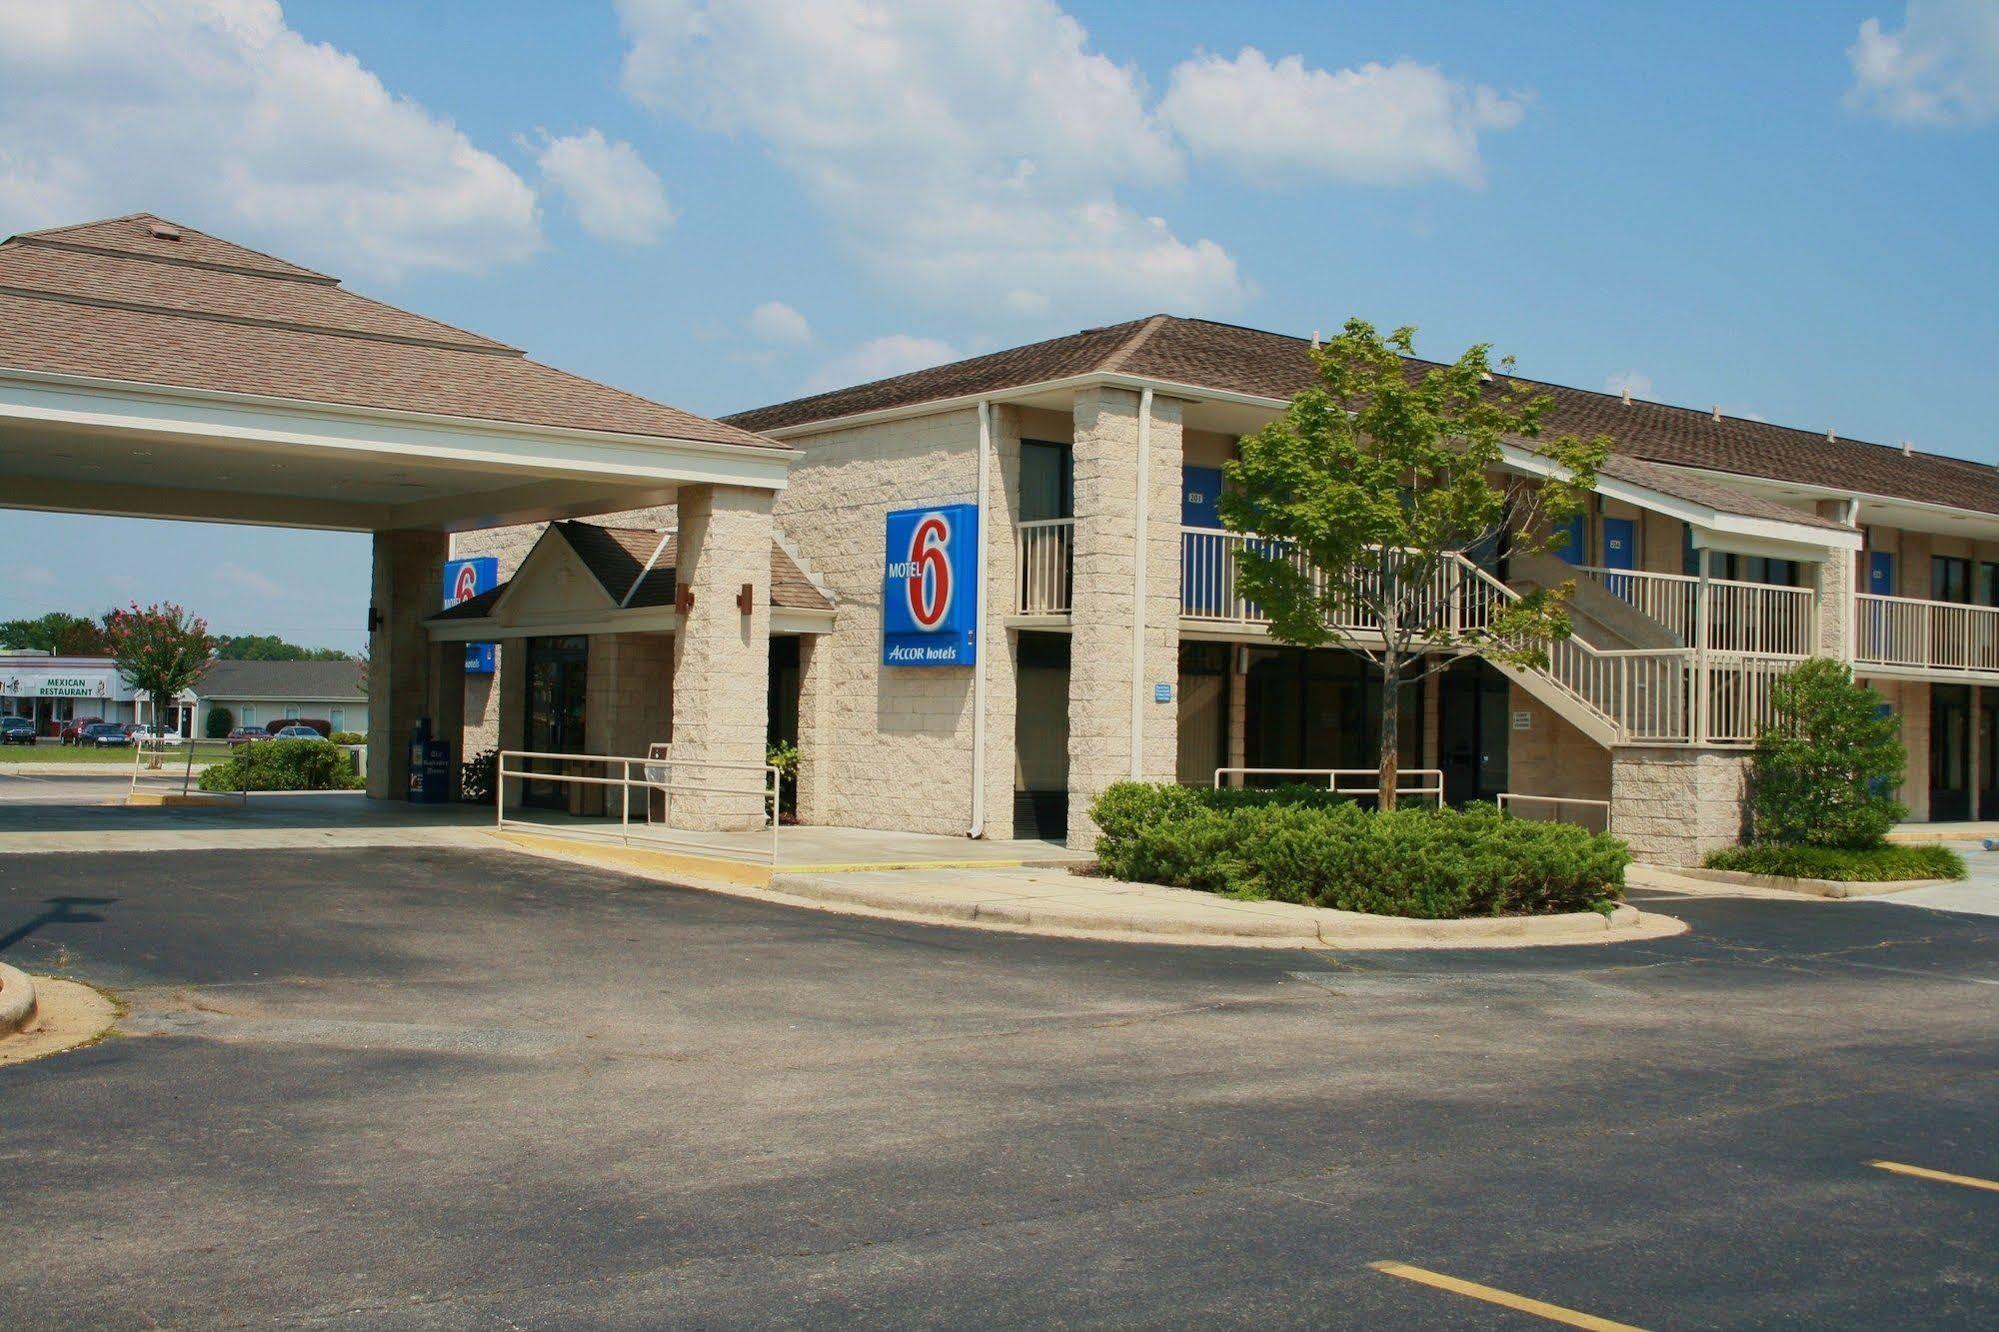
<point>998,586</point>
<point>973,596</point>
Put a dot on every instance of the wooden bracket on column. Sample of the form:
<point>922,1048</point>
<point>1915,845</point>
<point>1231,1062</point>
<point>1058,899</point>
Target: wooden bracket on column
<point>746,600</point>
<point>683,599</point>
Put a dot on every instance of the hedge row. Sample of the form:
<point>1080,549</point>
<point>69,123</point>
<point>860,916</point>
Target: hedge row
<point>1877,864</point>
<point>1304,845</point>
<point>283,765</point>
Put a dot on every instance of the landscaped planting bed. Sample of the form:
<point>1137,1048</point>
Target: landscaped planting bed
<point>1305,845</point>
<point>284,765</point>
<point>1874,864</point>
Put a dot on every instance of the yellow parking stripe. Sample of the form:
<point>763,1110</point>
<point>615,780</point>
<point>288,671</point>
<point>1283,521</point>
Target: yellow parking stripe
<point>1554,1313</point>
<point>1920,1172</point>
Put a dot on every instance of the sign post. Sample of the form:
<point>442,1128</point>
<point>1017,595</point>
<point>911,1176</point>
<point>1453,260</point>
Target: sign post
<point>930,587</point>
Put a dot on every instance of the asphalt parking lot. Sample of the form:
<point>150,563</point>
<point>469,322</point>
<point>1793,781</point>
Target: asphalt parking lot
<point>437,1087</point>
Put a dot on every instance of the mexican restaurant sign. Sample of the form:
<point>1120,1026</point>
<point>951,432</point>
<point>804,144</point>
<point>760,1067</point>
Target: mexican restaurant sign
<point>56,684</point>
<point>930,587</point>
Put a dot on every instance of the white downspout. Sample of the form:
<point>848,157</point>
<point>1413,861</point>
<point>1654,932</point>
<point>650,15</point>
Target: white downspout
<point>978,828</point>
<point>1138,625</point>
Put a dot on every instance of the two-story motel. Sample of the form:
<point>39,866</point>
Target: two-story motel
<point>1105,640</point>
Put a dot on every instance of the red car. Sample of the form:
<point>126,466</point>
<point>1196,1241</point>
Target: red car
<point>72,729</point>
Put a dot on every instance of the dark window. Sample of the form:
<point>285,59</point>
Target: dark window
<point>1047,481</point>
<point>1988,583</point>
<point>1950,578</point>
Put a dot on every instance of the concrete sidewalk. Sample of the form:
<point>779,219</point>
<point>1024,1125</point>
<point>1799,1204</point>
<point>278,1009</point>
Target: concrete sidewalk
<point>1050,899</point>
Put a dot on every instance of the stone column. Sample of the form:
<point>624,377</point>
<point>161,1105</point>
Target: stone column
<point>998,647</point>
<point>721,656</point>
<point>1675,805</point>
<point>816,686</point>
<point>1238,746</point>
<point>1105,616</point>
<point>408,585</point>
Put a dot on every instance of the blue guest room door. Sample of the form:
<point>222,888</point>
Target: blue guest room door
<point>1881,573</point>
<point>1202,559</point>
<point>1620,551</point>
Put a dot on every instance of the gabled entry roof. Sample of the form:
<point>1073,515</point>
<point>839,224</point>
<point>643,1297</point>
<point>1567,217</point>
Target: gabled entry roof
<point>637,571</point>
<point>142,299</point>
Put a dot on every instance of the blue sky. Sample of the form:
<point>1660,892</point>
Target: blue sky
<point>1785,210</point>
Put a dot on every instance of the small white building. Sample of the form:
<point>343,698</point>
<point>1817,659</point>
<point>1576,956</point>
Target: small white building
<point>51,690</point>
<point>256,693</point>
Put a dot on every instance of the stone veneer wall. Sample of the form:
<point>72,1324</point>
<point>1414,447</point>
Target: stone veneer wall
<point>407,582</point>
<point>881,746</point>
<point>1103,614</point>
<point>1675,805</point>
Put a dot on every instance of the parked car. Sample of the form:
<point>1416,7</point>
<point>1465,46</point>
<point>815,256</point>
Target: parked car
<point>298,733</point>
<point>104,735</point>
<point>153,735</point>
<point>16,731</point>
<point>244,735</point>
<point>73,729</point>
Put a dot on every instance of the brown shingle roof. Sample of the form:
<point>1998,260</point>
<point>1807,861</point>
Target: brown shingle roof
<point>615,556</point>
<point>112,300</point>
<point>1229,358</point>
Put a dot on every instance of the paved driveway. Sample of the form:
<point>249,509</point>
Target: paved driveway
<point>433,1087</point>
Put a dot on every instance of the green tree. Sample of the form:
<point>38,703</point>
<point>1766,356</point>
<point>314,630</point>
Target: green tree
<point>1825,767</point>
<point>269,647</point>
<point>59,632</point>
<point>1381,475</point>
<point>162,650</point>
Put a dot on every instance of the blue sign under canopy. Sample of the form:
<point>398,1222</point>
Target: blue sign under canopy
<point>464,580</point>
<point>930,587</point>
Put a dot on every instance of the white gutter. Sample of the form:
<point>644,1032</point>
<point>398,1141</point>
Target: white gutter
<point>1138,584</point>
<point>978,828</point>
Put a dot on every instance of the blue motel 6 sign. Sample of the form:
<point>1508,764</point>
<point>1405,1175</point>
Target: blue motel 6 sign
<point>930,587</point>
<point>464,580</point>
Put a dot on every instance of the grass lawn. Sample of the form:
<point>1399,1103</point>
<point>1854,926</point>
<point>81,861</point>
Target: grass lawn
<point>48,751</point>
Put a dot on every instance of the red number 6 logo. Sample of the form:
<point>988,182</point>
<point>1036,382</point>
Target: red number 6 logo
<point>930,573</point>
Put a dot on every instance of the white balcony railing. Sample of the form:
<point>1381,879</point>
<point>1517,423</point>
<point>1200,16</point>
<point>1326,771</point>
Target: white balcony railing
<point>1045,550</point>
<point>1208,590</point>
<point>1926,635</point>
<point>1763,619</point>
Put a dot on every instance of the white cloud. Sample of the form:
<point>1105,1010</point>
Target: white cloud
<point>776,322</point>
<point>1630,381</point>
<point>966,153</point>
<point>1379,124</point>
<point>1940,70</point>
<point>881,358</point>
<point>218,113</point>
<point>613,194</point>
<point>248,580</point>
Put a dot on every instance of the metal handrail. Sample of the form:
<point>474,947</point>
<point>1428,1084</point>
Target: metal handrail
<point>645,781</point>
<point>1504,798</point>
<point>1332,775</point>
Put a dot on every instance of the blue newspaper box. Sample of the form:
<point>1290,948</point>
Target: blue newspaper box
<point>430,767</point>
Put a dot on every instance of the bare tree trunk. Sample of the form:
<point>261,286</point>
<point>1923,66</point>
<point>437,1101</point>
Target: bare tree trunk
<point>1391,726</point>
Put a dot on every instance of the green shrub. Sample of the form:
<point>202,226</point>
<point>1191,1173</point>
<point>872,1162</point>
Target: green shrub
<point>1846,865</point>
<point>348,738</point>
<point>1304,845</point>
<point>220,722</point>
<point>283,765</point>
<point>478,776</point>
<point>1824,769</point>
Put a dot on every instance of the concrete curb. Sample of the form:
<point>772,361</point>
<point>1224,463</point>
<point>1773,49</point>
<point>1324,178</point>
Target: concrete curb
<point>17,999</point>
<point>1222,921</point>
<point>1833,888</point>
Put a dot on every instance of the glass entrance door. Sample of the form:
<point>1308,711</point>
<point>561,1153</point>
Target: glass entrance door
<point>557,671</point>
<point>1472,731</point>
<point>1950,753</point>
<point>1988,753</point>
